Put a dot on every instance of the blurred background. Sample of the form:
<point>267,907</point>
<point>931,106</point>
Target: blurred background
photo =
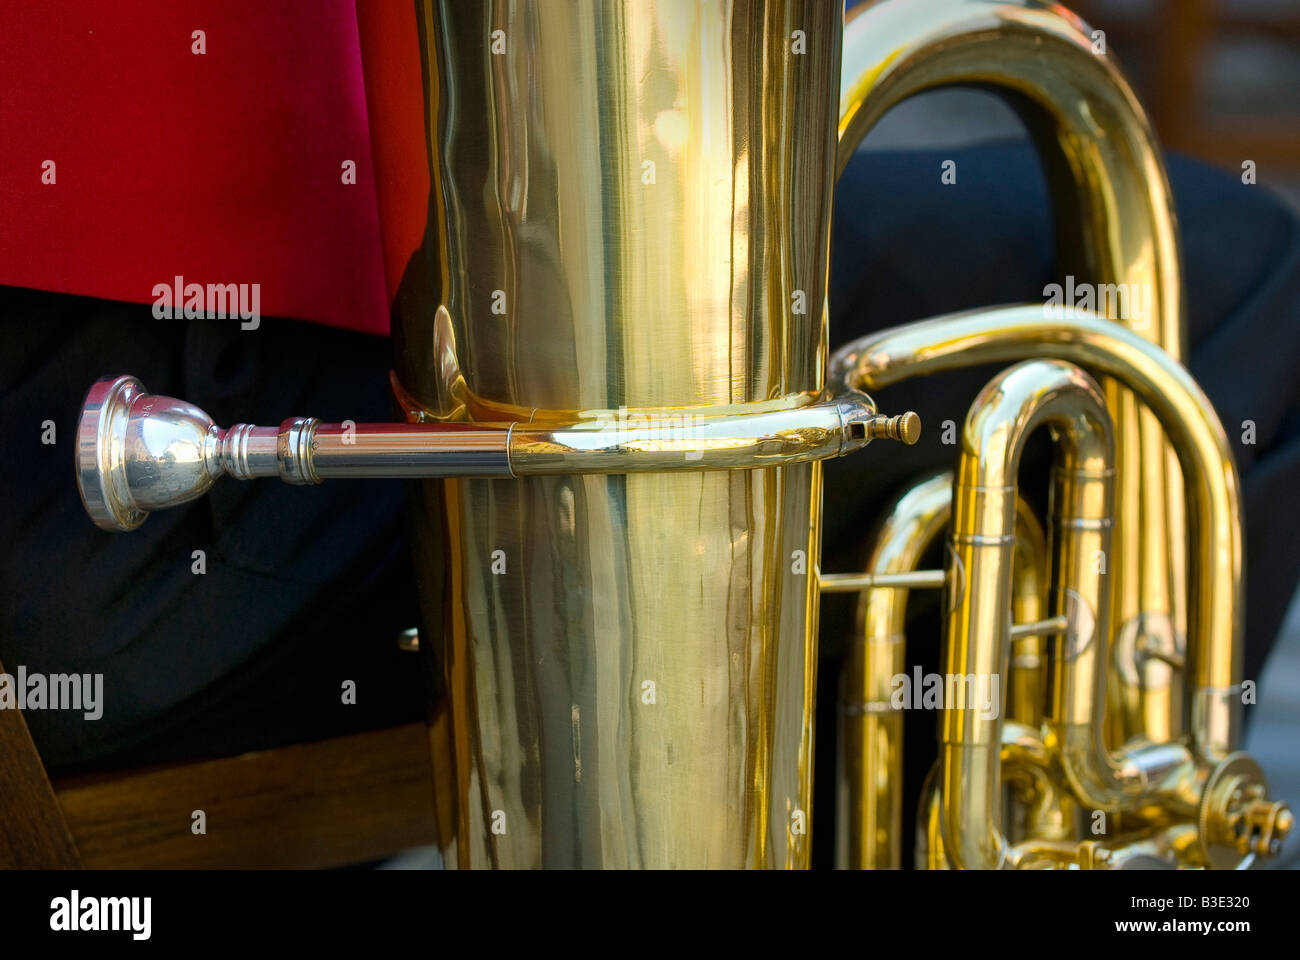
<point>1220,80</point>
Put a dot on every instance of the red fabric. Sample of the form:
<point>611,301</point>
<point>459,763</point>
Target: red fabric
<point>390,50</point>
<point>224,167</point>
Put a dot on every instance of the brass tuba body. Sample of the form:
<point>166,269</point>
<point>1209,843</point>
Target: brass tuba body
<point>613,373</point>
<point>646,187</point>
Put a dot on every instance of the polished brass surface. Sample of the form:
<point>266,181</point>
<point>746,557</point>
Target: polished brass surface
<point>701,442</point>
<point>138,452</point>
<point>1027,684</point>
<point>1040,806</point>
<point>612,364</point>
<point>977,636</point>
<point>1115,226</point>
<point>1212,488</point>
<point>869,811</point>
<point>648,184</point>
<point>1162,783</point>
<point>869,814</point>
<point>858,582</point>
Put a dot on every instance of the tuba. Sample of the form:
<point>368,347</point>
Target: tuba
<point>614,394</point>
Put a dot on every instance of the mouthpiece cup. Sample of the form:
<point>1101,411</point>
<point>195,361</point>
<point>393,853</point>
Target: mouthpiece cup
<point>101,466</point>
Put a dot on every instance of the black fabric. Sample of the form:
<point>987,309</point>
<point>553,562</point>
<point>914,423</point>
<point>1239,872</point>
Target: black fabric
<point>307,587</point>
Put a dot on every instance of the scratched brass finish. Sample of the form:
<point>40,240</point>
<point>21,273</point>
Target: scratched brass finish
<point>648,183</point>
<point>1115,225</point>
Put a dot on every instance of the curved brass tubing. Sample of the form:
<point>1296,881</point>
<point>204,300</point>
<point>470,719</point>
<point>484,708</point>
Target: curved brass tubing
<point>1115,225</point>
<point>930,851</point>
<point>1164,786</point>
<point>1047,810</point>
<point>1044,809</point>
<point>1008,334</point>
<point>870,768</point>
<point>1027,687</point>
<point>1155,849</point>
<point>978,629</point>
<point>870,791</point>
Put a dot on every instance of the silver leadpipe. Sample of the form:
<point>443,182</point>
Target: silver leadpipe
<point>138,452</point>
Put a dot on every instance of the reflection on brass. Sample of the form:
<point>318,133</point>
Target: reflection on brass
<point>648,186</point>
<point>136,450</point>
<point>1115,226</point>
<point>869,814</point>
<point>1148,781</point>
<point>613,370</point>
<point>977,633</point>
<point>1212,488</point>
